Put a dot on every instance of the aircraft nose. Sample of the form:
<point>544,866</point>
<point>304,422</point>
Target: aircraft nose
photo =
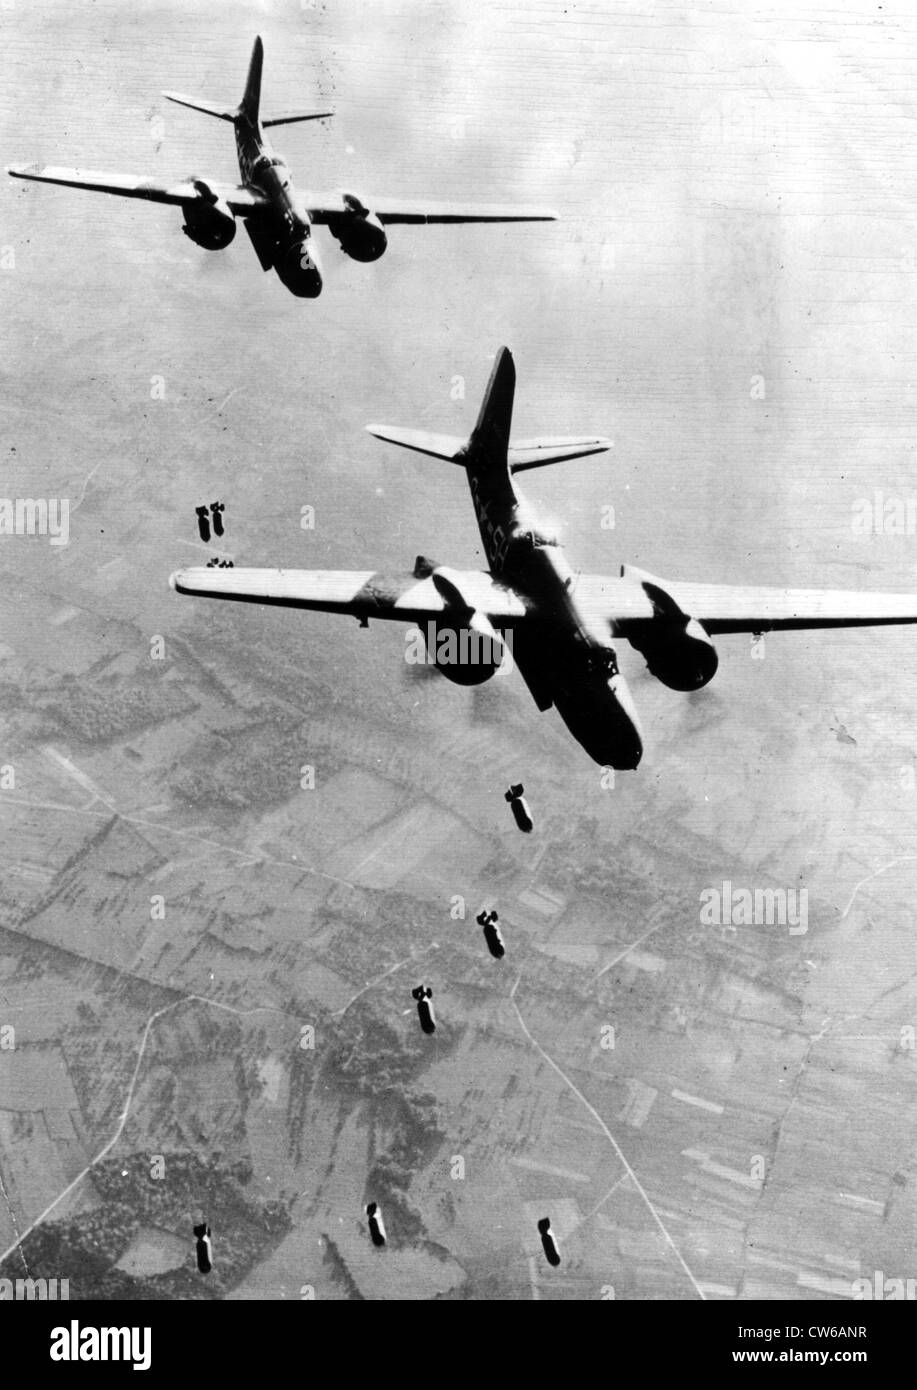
<point>627,736</point>
<point>625,702</point>
<point>300,270</point>
<point>627,758</point>
<point>602,718</point>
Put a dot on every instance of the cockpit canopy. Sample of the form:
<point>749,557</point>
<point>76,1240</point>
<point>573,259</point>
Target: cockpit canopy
<point>601,661</point>
<point>536,539</point>
<point>272,161</point>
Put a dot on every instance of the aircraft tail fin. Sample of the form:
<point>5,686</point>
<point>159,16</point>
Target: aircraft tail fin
<point>491,433</point>
<point>251,98</point>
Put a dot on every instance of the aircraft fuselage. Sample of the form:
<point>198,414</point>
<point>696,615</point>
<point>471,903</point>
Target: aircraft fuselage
<point>565,660</point>
<point>295,256</point>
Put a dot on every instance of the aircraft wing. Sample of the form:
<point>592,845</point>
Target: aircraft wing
<point>363,594</point>
<point>637,597</point>
<point>325,206</point>
<point>243,201</point>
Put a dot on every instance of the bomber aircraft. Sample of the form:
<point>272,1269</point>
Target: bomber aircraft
<point>561,626</point>
<point>278,218</point>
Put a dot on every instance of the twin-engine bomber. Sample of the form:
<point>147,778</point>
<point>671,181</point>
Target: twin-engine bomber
<point>277,217</point>
<point>561,626</point>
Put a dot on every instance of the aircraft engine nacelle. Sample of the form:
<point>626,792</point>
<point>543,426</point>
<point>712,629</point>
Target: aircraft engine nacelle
<point>360,233</point>
<point>681,655</point>
<point>211,224</point>
<point>466,653</point>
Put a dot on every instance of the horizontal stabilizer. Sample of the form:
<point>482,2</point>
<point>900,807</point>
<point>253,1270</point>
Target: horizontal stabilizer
<point>209,108</point>
<point>291,117</point>
<point>536,453</point>
<point>438,446</point>
<point>530,453</point>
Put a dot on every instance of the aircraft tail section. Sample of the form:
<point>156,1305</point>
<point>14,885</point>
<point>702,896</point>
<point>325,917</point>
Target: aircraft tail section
<point>490,436</point>
<point>251,98</point>
<point>533,453</point>
<point>438,446</point>
<point>209,108</point>
<point>488,449</point>
<point>490,458</point>
<point>291,117</point>
<point>250,104</point>
<point>537,453</point>
<point>487,462</point>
